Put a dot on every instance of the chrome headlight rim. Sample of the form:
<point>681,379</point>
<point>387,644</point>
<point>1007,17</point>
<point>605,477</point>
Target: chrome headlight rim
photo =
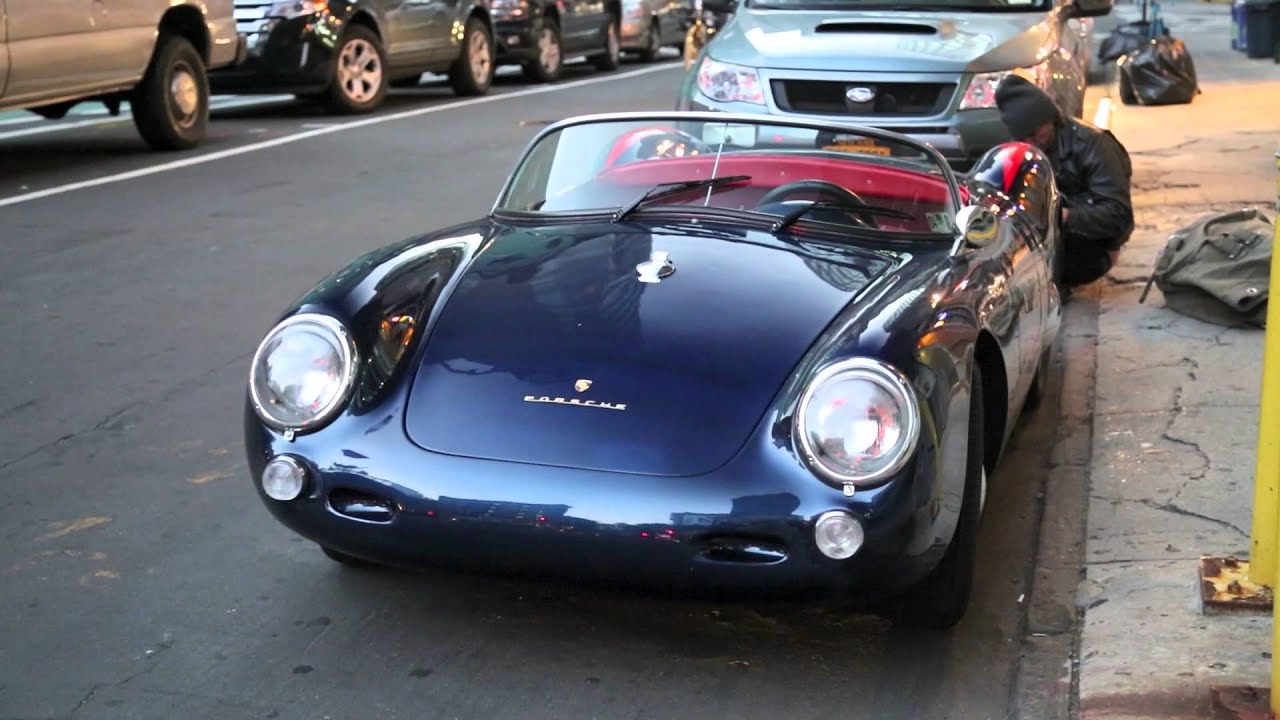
<point>892,381</point>
<point>347,352</point>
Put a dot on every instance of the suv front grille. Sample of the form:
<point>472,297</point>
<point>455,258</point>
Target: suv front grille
<point>827,97</point>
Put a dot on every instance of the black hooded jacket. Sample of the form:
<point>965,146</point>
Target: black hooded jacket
<point>1093,173</point>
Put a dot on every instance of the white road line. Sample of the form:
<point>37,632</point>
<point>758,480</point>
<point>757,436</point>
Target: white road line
<point>50,126</point>
<point>297,137</point>
<point>1102,116</point>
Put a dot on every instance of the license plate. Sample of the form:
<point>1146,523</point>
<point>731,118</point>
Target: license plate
<point>866,146</point>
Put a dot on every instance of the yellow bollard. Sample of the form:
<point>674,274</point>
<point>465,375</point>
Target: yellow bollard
<point>1266,484</point>
<point>1266,490</point>
<point>1270,441</point>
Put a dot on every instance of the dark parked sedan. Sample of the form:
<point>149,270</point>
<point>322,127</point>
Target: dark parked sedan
<point>346,53</point>
<point>685,350</point>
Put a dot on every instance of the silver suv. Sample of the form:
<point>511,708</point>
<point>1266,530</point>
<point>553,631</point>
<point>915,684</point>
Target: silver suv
<point>155,54</point>
<point>926,68</point>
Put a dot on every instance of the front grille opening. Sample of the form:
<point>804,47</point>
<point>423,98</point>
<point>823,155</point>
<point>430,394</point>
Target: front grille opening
<point>826,97</point>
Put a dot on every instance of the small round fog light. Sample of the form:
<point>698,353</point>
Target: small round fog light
<point>838,534</point>
<point>283,478</point>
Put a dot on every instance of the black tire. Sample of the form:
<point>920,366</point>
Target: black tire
<point>940,600</point>
<point>654,44</point>
<point>345,559</point>
<point>366,87</point>
<point>611,58</point>
<point>549,69</point>
<point>472,72</point>
<point>170,107</point>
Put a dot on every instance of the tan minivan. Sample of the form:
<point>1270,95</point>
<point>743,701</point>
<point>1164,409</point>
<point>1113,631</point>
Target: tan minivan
<point>155,54</point>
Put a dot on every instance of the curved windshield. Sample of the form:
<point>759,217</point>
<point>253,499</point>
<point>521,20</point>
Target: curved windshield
<point>794,174</point>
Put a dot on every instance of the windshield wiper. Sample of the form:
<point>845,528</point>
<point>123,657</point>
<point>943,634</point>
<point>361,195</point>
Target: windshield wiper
<point>676,187</point>
<point>790,218</point>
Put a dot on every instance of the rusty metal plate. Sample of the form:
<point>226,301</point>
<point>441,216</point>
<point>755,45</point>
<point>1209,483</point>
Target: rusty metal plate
<point>1225,587</point>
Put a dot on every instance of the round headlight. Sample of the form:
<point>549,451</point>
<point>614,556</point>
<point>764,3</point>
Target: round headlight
<point>302,372</point>
<point>858,422</point>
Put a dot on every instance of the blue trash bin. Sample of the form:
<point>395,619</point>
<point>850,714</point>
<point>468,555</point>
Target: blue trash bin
<point>1239,39</point>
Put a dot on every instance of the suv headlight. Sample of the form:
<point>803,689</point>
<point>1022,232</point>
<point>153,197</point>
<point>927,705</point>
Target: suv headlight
<point>858,422</point>
<point>297,8</point>
<point>728,83</point>
<point>981,92</point>
<point>303,372</point>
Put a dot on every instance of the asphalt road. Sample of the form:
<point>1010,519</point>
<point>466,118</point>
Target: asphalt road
<point>142,578</point>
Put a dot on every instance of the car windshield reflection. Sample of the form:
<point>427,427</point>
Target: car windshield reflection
<point>795,174</point>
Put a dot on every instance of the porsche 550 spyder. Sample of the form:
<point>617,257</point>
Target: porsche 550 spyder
<point>698,351</point>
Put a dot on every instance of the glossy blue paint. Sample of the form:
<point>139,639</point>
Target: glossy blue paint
<point>684,367</point>
<point>724,501</point>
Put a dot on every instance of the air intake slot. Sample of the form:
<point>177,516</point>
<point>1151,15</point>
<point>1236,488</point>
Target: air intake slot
<point>876,28</point>
<point>741,550</point>
<point>361,506</point>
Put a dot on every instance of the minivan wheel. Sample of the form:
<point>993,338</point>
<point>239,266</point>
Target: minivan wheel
<point>549,63</point>
<point>170,107</point>
<point>359,82</point>
<point>472,72</point>
<point>612,56</point>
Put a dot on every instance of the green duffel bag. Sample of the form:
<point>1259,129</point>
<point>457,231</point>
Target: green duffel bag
<point>1218,268</point>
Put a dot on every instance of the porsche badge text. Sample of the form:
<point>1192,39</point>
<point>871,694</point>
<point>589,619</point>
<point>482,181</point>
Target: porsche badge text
<point>574,401</point>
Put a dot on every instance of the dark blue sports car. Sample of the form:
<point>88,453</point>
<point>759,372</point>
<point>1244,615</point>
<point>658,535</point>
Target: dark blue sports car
<point>691,351</point>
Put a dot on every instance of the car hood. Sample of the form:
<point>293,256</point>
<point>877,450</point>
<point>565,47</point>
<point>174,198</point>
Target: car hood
<point>881,41</point>
<point>551,351</point>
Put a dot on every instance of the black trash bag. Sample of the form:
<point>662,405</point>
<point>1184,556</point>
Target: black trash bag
<point>1129,37</point>
<point>1159,73</point>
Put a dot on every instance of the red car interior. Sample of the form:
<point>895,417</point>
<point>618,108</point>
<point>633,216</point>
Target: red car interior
<point>912,192</point>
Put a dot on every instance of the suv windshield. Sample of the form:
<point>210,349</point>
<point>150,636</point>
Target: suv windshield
<point>795,174</point>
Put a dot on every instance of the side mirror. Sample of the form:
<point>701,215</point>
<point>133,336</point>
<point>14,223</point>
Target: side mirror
<point>1089,8</point>
<point>977,224</point>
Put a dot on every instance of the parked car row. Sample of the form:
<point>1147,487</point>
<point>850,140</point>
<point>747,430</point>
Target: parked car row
<point>924,68</point>
<point>165,57</point>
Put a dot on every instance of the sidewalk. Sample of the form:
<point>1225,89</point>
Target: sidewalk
<point>1175,404</point>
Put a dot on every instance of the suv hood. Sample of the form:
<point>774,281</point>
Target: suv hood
<point>551,351</point>
<point>881,41</point>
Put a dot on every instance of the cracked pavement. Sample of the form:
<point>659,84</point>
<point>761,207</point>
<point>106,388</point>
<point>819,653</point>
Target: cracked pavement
<point>1176,409</point>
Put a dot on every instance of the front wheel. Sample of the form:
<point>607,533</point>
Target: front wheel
<point>549,63</point>
<point>359,82</point>
<point>940,600</point>
<point>612,57</point>
<point>472,72</point>
<point>170,107</point>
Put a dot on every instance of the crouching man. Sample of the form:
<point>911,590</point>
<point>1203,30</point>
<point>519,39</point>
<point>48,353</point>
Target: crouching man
<point>1092,171</point>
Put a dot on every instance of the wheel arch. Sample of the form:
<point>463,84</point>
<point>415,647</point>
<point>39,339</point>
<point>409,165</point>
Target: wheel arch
<point>188,22</point>
<point>364,18</point>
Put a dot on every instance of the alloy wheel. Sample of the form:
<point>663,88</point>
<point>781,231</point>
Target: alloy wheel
<point>359,71</point>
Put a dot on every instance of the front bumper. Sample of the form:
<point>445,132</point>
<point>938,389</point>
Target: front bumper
<point>961,136</point>
<point>744,528</point>
<point>294,55</point>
